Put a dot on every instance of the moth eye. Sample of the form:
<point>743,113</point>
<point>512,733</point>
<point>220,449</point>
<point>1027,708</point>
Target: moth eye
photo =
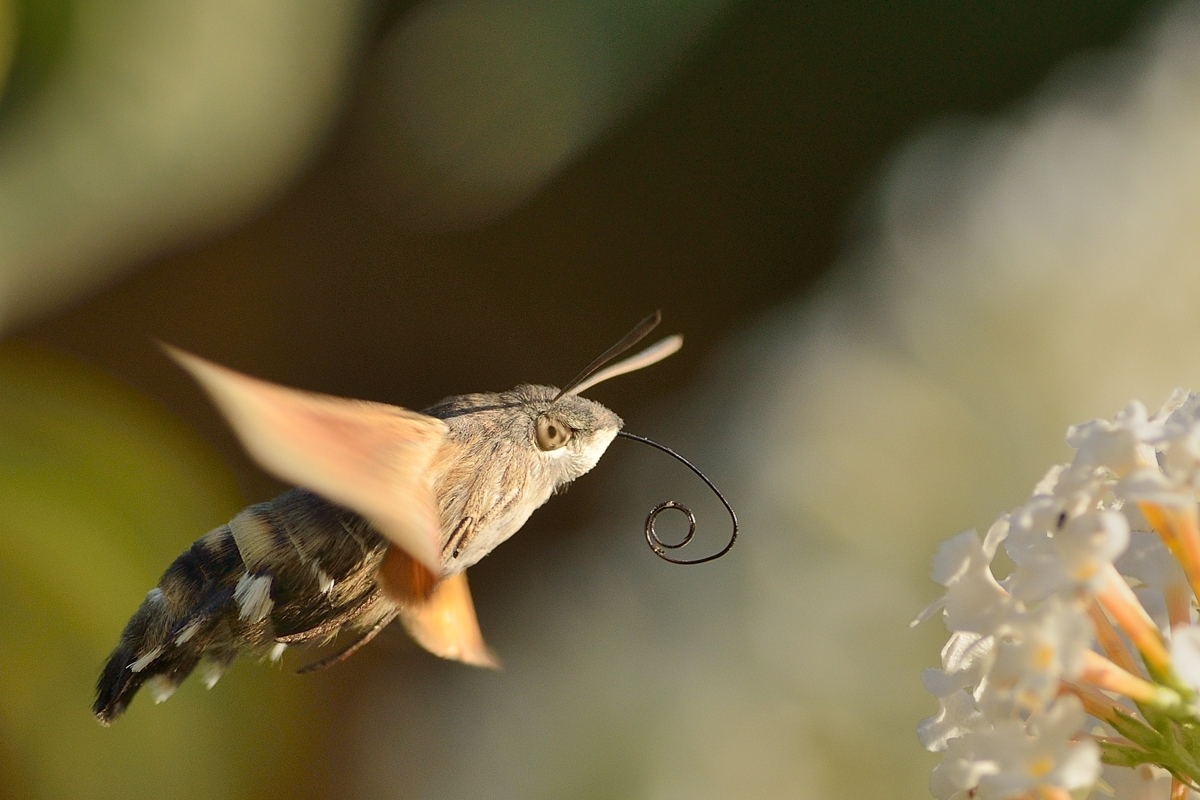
<point>552,434</point>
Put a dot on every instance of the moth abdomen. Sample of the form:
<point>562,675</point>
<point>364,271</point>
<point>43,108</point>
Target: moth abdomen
<point>294,569</point>
<point>168,635</point>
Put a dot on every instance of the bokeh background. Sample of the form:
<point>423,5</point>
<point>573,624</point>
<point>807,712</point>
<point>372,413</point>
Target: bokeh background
<point>907,243</point>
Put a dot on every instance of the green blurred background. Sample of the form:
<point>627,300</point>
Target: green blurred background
<point>394,201</point>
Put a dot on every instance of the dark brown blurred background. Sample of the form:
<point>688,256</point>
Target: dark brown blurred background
<point>728,192</point>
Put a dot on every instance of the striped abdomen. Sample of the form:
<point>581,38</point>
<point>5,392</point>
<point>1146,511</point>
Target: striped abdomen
<point>292,570</point>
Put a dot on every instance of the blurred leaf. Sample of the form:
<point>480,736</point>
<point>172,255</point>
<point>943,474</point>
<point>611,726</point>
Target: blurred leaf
<point>40,31</point>
<point>133,125</point>
<point>8,40</point>
<point>99,490</point>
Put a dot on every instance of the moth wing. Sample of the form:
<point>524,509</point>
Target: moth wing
<point>440,616</point>
<point>372,458</point>
<point>446,624</point>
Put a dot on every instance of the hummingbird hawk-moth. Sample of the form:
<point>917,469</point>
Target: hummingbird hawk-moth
<point>391,507</point>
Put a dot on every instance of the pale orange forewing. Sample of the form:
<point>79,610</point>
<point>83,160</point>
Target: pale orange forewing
<point>372,458</point>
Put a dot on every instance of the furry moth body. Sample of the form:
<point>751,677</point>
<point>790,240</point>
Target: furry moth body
<point>392,507</point>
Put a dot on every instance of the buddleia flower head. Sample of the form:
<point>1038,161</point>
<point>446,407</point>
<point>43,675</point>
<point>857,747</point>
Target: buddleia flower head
<point>1080,668</point>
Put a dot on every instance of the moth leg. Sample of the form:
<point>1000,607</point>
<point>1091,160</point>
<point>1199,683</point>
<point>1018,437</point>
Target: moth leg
<point>351,648</point>
<point>461,535</point>
<point>331,625</point>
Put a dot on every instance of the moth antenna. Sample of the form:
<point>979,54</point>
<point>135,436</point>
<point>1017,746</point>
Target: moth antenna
<point>638,333</point>
<point>651,355</point>
<point>660,547</point>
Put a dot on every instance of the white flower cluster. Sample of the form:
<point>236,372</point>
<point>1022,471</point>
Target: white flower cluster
<point>1087,652</point>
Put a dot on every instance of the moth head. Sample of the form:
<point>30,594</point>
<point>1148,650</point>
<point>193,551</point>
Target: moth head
<point>582,429</point>
<point>556,433</point>
<point>573,423</point>
<point>570,433</point>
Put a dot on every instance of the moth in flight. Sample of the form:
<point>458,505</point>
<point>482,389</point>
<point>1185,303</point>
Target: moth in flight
<point>390,509</point>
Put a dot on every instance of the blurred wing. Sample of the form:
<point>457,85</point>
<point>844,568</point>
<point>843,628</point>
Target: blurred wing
<point>369,457</point>
<point>439,616</point>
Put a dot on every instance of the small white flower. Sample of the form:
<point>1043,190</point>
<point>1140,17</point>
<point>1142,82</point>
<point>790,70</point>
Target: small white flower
<point>1068,559</point>
<point>960,770</point>
<point>958,715</point>
<point>996,535</point>
<point>1182,401</point>
<point>1150,485</point>
<point>1046,485</point>
<point>1015,757</point>
<point>1041,515</point>
<point>1181,457</point>
<point>974,601</point>
<point>1035,650</point>
<point>1039,754</point>
<point>1185,653</point>
<point>1118,445</point>
<point>1076,489</point>
<point>966,658</point>
<point>1179,440</point>
<point>1183,416</point>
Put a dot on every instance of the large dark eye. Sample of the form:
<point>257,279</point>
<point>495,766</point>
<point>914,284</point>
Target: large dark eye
<point>552,434</point>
